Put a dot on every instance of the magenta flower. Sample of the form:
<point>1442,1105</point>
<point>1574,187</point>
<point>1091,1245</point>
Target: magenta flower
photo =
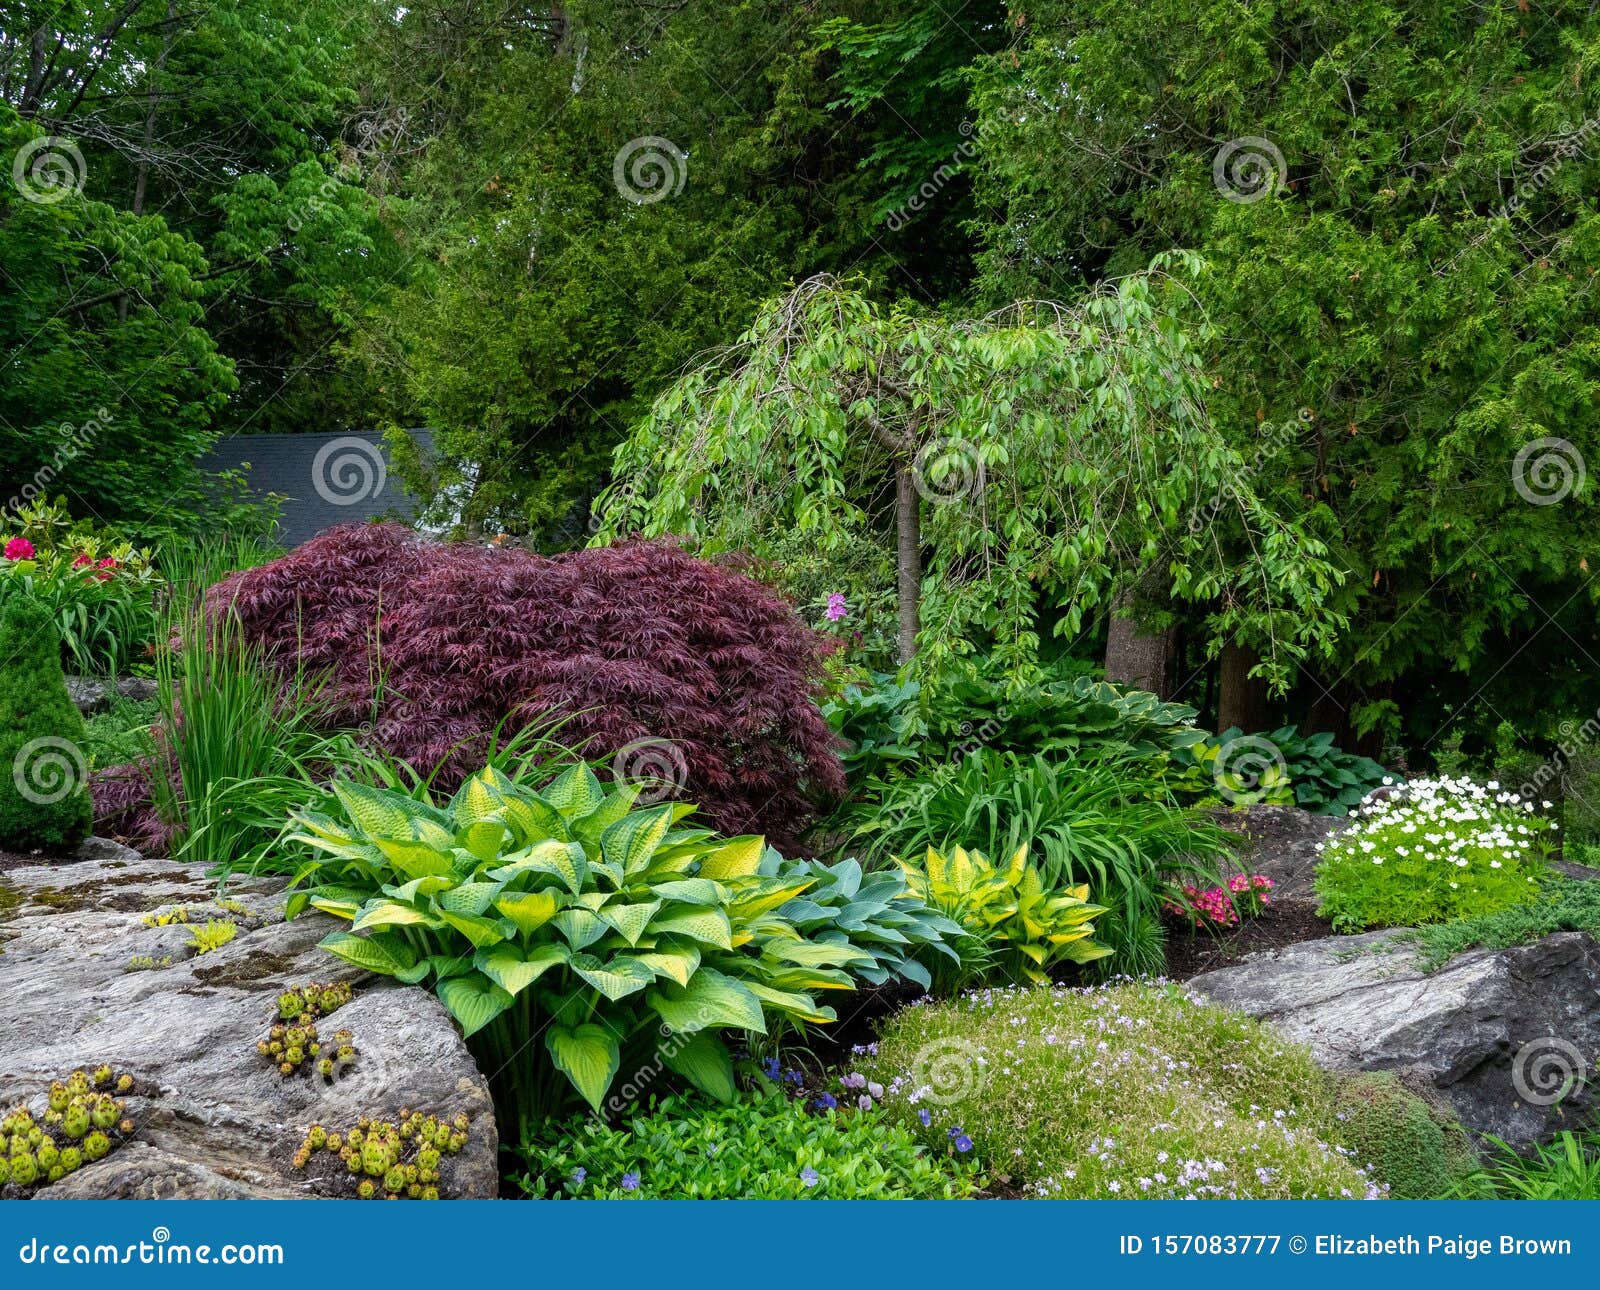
<point>837,609</point>
<point>19,548</point>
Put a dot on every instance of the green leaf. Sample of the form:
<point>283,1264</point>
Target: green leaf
<point>575,792</point>
<point>474,1000</point>
<point>710,1000</point>
<point>377,953</point>
<point>389,913</point>
<point>377,812</point>
<point>469,897</point>
<point>630,920</point>
<point>703,1060</point>
<point>629,843</point>
<point>529,910</point>
<point>480,931</point>
<point>617,979</point>
<point>513,970</point>
<point>588,1056</point>
<point>736,858</point>
<point>677,963</point>
<point>707,925</point>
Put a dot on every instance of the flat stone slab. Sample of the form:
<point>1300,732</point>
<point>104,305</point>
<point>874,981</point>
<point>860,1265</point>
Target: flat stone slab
<point>214,1118</point>
<point>1498,1032</point>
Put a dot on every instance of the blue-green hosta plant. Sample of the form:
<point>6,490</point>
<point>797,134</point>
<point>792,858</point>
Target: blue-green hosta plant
<point>878,914</point>
<point>573,934</point>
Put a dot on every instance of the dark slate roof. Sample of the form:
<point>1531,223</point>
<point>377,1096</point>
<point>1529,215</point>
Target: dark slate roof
<point>329,479</point>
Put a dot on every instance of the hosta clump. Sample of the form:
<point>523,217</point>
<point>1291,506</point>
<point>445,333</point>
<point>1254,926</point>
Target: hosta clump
<point>1020,927</point>
<point>569,930</point>
<point>83,1120</point>
<point>383,1158</point>
<point>294,1042</point>
<point>879,915</point>
<point>1432,851</point>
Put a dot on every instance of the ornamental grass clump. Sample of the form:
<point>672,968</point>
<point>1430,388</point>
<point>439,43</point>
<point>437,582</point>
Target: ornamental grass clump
<point>1127,1090</point>
<point>1432,851</point>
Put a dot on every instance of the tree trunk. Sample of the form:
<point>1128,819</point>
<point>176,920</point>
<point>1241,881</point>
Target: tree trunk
<point>1134,657</point>
<point>908,556</point>
<point>1241,698</point>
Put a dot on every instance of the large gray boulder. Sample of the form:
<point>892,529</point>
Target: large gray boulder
<point>1505,1035</point>
<point>85,980</point>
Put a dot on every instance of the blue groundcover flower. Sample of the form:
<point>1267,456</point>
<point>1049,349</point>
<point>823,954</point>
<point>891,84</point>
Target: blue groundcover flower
<point>579,1174</point>
<point>630,1182</point>
<point>963,1143</point>
<point>770,1065</point>
<point>924,1117</point>
<point>826,1102</point>
<point>808,1176</point>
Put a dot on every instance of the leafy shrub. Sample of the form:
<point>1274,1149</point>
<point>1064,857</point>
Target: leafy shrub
<point>880,916</point>
<point>1566,1169</point>
<point>1403,1138</point>
<point>1023,928</point>
<point>1562,905</point>
<point>1104,822</point>
<point>1230,769</point>
<point>761,1147</point>
<point>1432,851</point>
<point>572,916</point>
<point>44,798</point>
<point>96,587</point>
<point>1127,1090</point>
<point>121,733</point>
<point>634,642</point>
<point>878,719</point>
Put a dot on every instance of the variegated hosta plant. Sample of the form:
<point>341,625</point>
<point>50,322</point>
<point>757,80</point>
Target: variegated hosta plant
<point>569,922</point>
<point>1008,909</point>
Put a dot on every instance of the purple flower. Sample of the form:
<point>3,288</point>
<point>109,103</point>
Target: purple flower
<point>771,1067</point>
<point>808,1176</point>
<point>630,1182</point>
<point>924,1117</point>
<point>579,1174</point>
<point>794,1077</point>
<point>853,1080</point>
<point>836,607</point>
<point>864,1102</point>
<point>963,1143</point>
<point>955,1132</point>
<point>826,1102</point>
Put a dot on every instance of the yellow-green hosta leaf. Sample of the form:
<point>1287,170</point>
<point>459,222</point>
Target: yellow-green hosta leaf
<point>616,806</point>
<point>815,953</point>
<point>703,1060</point>
<point>802,978</point>
<point>579,926</point>
<point>469,897</point>
<point>709,1002</point>
<point>1085,952</point>
<point>564,861</point>
<point>473,1000</point>
<point>575,792</point>
<point>677,963</point>
<point>376,953</point>
<point>707,925</point>
<point>588,1056</point>
<point>391,913</point>
<point>415,859</point>
<point>512,969</point>
<point>339,907</point>
<point>736,858</point>
<point>630,920</point>
<point>485,839</point>
<point>480,931</point>
<point>616,979</point>
<point>529,910</point>
<point>767,895</point>
<point>631,841</point>
<point>791,1003</point>
<point>532,821</point>
<point>420,888</point>
<point>692,891</point>
<point>377,812</point>
<point>478,799</point>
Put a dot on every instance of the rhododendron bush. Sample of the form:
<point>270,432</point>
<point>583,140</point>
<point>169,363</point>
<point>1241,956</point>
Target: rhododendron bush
<point>692,674</point>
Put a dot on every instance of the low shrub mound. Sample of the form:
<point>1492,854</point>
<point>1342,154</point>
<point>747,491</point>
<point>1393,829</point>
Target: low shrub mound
<point>693,675</point>
<point>1404,1138</point>
<point>1432,851</point>
<point>762,1147</point>
<point>1129,1090</point>
<point>44,795</point>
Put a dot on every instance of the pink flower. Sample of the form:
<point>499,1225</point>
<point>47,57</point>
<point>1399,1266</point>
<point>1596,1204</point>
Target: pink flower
<point>836,607</point>
<point>19,548</point>
<point>82,560</point>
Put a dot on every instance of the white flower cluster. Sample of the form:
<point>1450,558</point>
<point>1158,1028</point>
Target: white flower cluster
<point>1444,820</point>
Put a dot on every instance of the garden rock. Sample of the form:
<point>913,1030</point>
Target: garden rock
<point>1498,1032</point>
<point>1281,842</point>
<point>214,1118</point>
<point>91,695</point>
